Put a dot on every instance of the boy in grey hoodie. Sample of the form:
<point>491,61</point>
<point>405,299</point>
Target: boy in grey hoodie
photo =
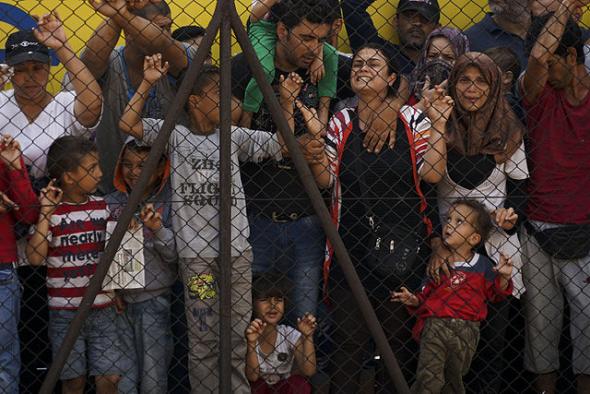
<point>144,321</point>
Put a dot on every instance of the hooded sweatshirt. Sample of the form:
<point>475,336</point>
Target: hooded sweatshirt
<point>159,246</point>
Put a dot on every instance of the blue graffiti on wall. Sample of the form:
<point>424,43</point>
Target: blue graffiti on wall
<point>18,18</point>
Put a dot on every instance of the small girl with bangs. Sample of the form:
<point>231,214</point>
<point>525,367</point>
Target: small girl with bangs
<point>273,348</point>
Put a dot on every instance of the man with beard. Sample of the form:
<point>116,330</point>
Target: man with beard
<point>285,233</point>
<point>415,19</point>
<point>505,26</point>
<point>555,247</point>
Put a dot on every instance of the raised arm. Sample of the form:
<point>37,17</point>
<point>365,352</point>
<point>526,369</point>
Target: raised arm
<point>537,72</point>
<point>38,245</point>
<point>145,33</point>
<point>305,348</point>
<point>100,46</point>
<point>314,147</point>
<point>20,195</point>
<point>253,334</point>
<point>289,89</point>
<point>260,9</point>
<point>435,157</point>
<point>88,104</point>
<point>359,25</point>
<point>153,70</point>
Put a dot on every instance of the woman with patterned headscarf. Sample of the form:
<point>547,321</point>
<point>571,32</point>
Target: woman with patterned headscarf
<point>486,162</point>
<point>442,47</point>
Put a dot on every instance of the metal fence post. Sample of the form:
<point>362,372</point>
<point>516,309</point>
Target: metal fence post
<point>225,187</point>
<point>134,199</point>
<point>319,206</point>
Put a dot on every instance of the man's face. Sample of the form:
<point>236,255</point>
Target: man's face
<point>194,44</point>
<point>162,21</point>
<point>512,10</point>
<point>413,28</point>
<point>560,72</point>
<point>303,42</point>
<point>542,7</point>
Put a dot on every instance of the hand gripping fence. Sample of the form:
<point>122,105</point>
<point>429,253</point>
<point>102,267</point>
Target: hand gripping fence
<point>225,19</point>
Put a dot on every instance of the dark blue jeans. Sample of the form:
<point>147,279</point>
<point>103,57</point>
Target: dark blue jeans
<point>144,329</point>
<point>10,293</point>
<point>295,249</point>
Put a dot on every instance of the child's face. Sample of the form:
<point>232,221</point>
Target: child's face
<point>208,101</point>
<point>270,309</point>
<point>132,164</point>
<point>87,176</point>
<point>208,104</point>
<point>459,230</point>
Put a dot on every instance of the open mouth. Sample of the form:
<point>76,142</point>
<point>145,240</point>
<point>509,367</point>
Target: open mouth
<point>364,79</point>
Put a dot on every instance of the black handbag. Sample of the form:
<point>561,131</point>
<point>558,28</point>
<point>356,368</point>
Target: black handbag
<point>393,251</point>
<point>393,248</point>
<point>568,242</point>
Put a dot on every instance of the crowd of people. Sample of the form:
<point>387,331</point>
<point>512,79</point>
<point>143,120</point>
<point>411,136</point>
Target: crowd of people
<point>454,164</point>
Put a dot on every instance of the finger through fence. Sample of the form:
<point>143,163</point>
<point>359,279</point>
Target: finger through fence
<point>328,196</point>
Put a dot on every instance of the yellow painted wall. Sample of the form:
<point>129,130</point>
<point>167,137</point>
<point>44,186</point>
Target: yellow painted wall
<point>81,20</point>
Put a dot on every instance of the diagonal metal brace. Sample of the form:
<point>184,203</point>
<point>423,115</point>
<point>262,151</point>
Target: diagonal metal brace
<point>135,198</point>
<point>320,208</point>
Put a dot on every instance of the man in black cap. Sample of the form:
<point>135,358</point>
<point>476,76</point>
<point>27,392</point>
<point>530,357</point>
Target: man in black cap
<point>415,19</point>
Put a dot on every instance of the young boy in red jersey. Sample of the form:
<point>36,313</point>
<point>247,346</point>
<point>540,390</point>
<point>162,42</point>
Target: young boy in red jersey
<point>69,237</point>
<point>449,312</point>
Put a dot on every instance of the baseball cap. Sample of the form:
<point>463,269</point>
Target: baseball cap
<point>427,8</point>
<point>22,46</point>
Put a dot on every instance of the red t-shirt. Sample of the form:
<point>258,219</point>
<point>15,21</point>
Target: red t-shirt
<point>462,295</point>
<point>559,158</point>
<point>17,187</point>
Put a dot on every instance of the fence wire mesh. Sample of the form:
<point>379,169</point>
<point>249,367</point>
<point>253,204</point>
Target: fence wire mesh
<point>448,139</point>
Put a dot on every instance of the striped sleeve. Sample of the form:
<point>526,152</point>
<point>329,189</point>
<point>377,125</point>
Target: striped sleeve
<point>420,125</point>
<point>335,135</point>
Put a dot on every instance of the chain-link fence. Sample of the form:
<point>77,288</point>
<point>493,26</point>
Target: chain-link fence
<point>295,196</point>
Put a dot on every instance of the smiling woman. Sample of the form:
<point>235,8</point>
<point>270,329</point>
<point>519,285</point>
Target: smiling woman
<point>377,200</point>
<point>486,162</point>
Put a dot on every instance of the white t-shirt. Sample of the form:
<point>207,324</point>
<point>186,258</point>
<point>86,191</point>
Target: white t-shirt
<point>278,365</point>
<point>56,120</point>
<point>195,164</point>
<point>492,193</point>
